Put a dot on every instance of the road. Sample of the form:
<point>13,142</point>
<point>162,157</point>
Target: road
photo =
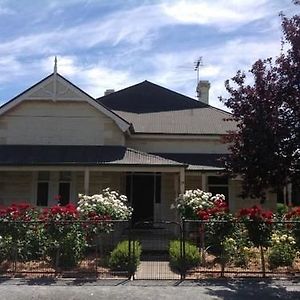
<point>20,289</point>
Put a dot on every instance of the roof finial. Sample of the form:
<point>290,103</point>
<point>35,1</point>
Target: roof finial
<point>55,65</point>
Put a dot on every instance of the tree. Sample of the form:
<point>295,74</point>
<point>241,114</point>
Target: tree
<point>265,148</point>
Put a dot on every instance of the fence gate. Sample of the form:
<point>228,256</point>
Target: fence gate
<point>155,238</point>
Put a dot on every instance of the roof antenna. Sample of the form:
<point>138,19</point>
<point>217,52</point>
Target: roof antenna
<point>55,65</point>
<point>197,64</point>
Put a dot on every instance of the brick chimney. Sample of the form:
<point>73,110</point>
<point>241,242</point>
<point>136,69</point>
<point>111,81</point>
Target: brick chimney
<point>203,91</point>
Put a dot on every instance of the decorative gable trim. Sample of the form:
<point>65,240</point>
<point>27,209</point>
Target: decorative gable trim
<point>57,88</point>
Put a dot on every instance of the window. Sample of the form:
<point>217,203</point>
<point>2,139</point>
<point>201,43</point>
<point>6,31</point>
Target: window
<point>42,189</point>
<point>64,187</point>
<point>157,187</point>
<point>218,185</point>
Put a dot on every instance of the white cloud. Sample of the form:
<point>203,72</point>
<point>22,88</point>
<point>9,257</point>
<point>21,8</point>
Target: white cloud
<point>9,68</point>
<point>136,30</point>
<point>92,78</point>
<point>220,63</point>
<point>136,27</point>
<point>224,14</point>
<point>115,28</point>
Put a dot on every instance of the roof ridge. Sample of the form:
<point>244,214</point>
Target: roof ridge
<point>119,91</point>
<point>153,84</point>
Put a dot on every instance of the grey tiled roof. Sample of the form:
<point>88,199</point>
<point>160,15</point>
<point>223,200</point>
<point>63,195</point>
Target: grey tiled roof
<point>30,155</point>
<point>206,120</point>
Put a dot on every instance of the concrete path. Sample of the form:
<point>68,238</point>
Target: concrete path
<point>155,270</point>
<point>139,289</point>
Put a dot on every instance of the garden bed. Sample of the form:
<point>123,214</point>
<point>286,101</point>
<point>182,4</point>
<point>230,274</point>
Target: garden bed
<point>88,267</point>
<point>213,269</point>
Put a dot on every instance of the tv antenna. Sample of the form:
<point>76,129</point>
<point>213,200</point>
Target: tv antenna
<point>197,64</point>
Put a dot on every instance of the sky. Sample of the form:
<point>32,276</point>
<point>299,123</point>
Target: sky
<point>112,44</point>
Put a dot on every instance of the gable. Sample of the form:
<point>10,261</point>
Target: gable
<point>56,88</point>
<point>47,122</point>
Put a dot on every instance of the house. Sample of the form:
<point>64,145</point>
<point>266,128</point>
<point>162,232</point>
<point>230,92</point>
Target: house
<point>145,140</point>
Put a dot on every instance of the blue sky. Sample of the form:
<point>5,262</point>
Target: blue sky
<point>104,44</point>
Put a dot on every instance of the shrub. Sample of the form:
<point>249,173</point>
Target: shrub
<point>282,252</point>
<point>237,250</point>
<point>281,209</point>
<point>294,215</point>
<point>66,239</point>
<point>179,263</point>
<point>120,259</point>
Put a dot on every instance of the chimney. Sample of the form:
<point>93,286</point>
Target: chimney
<point>109,91</point>
<point>203,91</point>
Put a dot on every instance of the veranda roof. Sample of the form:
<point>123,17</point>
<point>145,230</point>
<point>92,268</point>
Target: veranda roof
<point>48,155</point>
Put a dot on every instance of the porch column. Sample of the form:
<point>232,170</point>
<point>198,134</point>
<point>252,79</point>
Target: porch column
<point>86,181</point>
<point>182,181</point>
<point>176,185</point>
<point>284,195</point>
<point>289,194</point>
<point>204,182</point>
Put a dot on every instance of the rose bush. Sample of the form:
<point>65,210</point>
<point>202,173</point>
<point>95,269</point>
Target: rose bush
<point>258,223</point>
<point>21,235</point>
<point>66,238</point>
<point>191,202</point>
<point>108,203</point>
<point>99,209</point>
<point>200,205</point>
<point>59,233</point>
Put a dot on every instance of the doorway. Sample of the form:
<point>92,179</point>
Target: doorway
<point>142,191</point>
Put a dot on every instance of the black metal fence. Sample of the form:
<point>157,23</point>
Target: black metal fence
<point>146,250</point>
<point>66,249</point>
<point>236,255</point>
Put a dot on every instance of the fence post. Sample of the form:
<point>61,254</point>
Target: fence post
<point>97,240</point>
<point>130,254</point>
<point>202,242</point>
<point>182,249</point>
<point>15,256</point>
<point>57,260</point>
<point>263,263</point>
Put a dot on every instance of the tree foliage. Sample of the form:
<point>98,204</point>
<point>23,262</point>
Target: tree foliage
<point>265,148</point>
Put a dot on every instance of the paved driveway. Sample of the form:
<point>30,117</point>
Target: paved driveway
<point>113,289</point>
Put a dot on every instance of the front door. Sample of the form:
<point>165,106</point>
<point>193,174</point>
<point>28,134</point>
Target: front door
<point>141,193</point>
